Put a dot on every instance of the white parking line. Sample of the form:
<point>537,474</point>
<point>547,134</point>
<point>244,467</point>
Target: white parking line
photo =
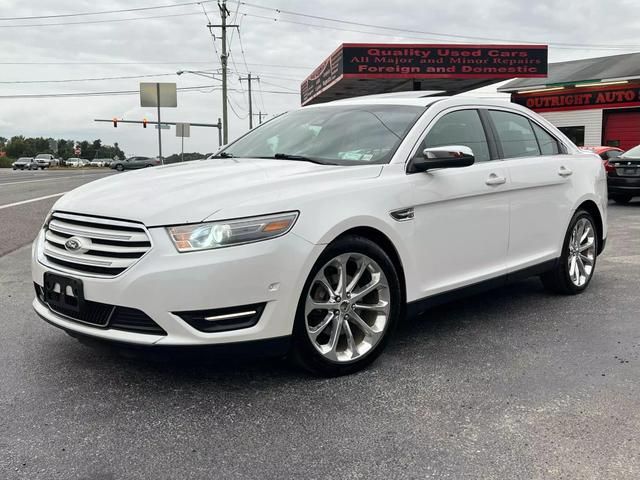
<point>15,204</point>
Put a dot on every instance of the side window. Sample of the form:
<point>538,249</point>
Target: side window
<point>462,127</point>
<point>515,134</point>
<point>548,144</point>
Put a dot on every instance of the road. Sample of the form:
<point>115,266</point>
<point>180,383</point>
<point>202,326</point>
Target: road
<point>38,190</point>
<point>511,384</point>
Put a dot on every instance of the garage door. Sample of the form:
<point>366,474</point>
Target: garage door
<point>622,129</point>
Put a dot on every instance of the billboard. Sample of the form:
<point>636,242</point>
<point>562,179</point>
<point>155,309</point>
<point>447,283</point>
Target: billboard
<point>580,98</point>
<point>425,61</point>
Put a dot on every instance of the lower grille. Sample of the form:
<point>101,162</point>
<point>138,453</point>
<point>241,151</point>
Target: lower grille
<point>132,320</point>
<point>107,316</point>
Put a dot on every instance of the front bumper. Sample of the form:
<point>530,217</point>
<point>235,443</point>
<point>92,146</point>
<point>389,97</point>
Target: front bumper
<point>165,281</point>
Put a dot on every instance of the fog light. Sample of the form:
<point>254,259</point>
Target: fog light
<point>223,319</point>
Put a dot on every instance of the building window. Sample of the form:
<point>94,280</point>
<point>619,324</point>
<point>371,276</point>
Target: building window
<point>575,134</point>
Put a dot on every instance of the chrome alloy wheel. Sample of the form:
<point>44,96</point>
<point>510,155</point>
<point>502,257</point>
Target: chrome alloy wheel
<point>582,252</point>
<point>347,307</point>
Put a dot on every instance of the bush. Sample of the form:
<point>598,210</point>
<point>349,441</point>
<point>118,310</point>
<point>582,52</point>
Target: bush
<point>5,162</point>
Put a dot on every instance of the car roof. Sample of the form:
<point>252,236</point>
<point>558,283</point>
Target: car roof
<point>423,99</point>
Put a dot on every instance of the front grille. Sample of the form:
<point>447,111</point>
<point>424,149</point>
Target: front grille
<point>107,247</point>
<point>106,316</point>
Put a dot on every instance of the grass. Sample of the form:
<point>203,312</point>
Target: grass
<point>5,162</point>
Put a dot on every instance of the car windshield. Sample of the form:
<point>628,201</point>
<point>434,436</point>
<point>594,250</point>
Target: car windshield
<point>42,155</point>
<point>342,135</point>
<point>632,153</point>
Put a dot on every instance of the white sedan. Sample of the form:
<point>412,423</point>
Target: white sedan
<point>314,233</point>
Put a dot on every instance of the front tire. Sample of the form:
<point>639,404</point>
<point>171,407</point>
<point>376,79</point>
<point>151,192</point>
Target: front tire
<point>348,309</point>
<point>120,167</point>
<point>576,265</point>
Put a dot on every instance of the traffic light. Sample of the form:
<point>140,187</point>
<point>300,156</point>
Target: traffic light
<point>115,122</point>
<point>144,123</point>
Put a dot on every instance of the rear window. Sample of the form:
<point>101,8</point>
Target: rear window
<point>632,153</point>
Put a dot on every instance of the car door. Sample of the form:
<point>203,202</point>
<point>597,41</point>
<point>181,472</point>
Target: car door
<point>141,162</point>
<point>461,215</point>
<point>540,183</point>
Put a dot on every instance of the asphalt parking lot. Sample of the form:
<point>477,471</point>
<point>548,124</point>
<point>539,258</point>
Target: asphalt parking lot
<point>511,384</point>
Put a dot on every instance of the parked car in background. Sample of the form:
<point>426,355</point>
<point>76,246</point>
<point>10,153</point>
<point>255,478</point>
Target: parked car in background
<point>623,176</point>
<point>605,152</point>
<point>100,162</point>
<point>24,163</point>
<point>76,162</point>
<point>44,160</point>
<point>315,231</point>
<point>133,163</point>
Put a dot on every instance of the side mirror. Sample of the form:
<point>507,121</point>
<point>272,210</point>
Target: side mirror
<point>450,156</point>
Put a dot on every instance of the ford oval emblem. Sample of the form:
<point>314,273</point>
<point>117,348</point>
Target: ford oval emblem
<point>73,244</point>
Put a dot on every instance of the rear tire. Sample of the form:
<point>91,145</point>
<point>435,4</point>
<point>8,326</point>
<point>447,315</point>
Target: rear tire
<point>120,167</point>
<point>577,263</point>
<point>621,199</point>
<point>330,337</point>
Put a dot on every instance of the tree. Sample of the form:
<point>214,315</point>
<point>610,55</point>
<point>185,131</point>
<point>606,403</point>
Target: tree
<point>20,146</point>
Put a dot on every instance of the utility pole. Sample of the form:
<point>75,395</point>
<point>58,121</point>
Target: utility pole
<point>260,115</point>
<point>249,78</point>
<point>224,13</point>
<point>159,126</point>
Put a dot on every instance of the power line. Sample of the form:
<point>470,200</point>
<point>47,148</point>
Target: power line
<point>262,98</point>
<point>95,94</point>
<point>95,79</point>
<point>173,62</point>
<point>103,12</point>
<point>244,59</point>
<point>235,18</point>
<point>201,88</point>
<point>279,86</point>
<point>423,32</point>
<point>234,110</point>
<point>279,77</point>
<point>91,22</point>
<point>330,27</point>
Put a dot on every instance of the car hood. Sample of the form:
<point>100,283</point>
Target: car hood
<point>194,191</point>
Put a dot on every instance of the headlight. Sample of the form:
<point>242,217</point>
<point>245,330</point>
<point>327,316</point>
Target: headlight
<point>205,236</point>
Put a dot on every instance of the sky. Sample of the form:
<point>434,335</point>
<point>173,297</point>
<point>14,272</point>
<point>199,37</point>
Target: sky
<point>279,47</point>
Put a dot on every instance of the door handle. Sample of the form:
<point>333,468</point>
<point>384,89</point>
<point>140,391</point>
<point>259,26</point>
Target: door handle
<point>564,171</point>
<point>495,180</point>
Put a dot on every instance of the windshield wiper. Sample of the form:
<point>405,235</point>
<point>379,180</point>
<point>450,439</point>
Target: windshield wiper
<point>302,158</point>
<point>223,155</point>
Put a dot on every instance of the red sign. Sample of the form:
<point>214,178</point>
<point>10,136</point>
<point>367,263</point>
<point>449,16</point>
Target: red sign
<point>425,61</point>
<point>580,98</point>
